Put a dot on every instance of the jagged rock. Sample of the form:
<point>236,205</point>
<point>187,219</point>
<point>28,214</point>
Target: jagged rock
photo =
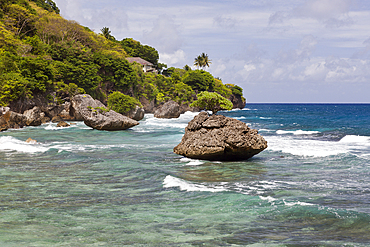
<point>237,101</point>
<point>45,120</point>
<point>99,119</point>
<point>170,109</point>
<point>149,106</point>
<point>54,110</point>
<point>4,110</point>
<point>22,104</point>
<point>11,120</point>
<point>56,119</point>
<point>31,141</point>
<point>33,116</point>
<point>69,114</point>
<point>218,137</point>
<point>136,114</point>
<point>62,124</point>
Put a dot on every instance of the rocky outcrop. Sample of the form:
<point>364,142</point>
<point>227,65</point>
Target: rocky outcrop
<point>95,115</point>
<point>217,137</point>
<point>149,106</point>
<point>11,120</point>
<point>33,117</point>
<point>31,141</point>
<point>56,119</point>
<point>170,109</point>
<point>136,114</point>
<point>66,113</point>
<point>63,124</point>
<point>238,101</point>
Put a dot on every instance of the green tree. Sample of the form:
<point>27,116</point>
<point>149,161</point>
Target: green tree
<point>236,90</point>
<point>198,61</point>
<point>206,60</point>
<point>212,102</point>
<point>222,89</point>
<point>107,33</point>
<point>48,5</point>
<point>202,61</point>
<point>199,80</point>
<point>122,103</point>
<point>136,49</point>
<point>187,68</point>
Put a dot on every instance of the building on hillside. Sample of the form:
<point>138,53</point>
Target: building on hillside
<point>147,66</point>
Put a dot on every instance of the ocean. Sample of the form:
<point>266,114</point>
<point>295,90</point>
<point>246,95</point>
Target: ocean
<point>82,187</point>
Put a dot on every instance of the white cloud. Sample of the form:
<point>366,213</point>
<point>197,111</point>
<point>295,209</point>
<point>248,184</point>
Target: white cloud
<point>225,22</point>
<point>86,13</point>
<point>332,13</point>
<point>323,9</point>
<point>164,35</point>
<point>176,59</point>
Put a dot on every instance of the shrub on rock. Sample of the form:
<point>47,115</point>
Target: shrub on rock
<point>122,103</point>
<point>212,102</point>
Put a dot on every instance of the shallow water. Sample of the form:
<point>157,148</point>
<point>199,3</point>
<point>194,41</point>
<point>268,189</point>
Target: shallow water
<point>82,187</point>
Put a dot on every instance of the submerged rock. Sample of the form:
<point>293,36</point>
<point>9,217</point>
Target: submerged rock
<point>95,114</point>
<point>56,119</point>
<point>170,109</point>
<point>31,141</point>
<point>62,124</point>
<point>218,137</point>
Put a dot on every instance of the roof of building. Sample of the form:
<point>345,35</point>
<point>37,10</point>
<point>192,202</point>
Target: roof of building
<point>138,60</point>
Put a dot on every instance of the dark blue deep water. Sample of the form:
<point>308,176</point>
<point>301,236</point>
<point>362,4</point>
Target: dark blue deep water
<point>83,187</point>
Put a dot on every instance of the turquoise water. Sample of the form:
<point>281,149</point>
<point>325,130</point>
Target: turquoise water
<point>82,187</point>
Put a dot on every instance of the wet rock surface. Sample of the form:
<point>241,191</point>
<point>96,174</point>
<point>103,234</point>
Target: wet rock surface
<point>221,138</point>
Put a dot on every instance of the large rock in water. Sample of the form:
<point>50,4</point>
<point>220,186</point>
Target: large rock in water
<point>170,109</point>
<point>218,137</point>
<point>99,119</point>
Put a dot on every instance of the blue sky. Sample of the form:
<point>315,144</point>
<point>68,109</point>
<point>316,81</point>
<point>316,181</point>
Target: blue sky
<point>276,50</point>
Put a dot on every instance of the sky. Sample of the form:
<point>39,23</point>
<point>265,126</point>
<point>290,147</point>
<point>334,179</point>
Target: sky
<point>278,51</point>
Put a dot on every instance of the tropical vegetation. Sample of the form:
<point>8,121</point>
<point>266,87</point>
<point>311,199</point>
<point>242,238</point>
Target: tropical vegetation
<point>42,53</point>
<point>202,61</point>
<point>211,101</point>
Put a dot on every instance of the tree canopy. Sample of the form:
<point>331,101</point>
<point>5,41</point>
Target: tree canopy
<point>199,80</point>
<point>212,101</point>
<point>202,61</point>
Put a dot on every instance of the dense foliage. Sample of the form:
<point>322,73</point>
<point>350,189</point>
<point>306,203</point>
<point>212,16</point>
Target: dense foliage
<point>211,101</point>
<point>42,53</point>
<point>122,103</point>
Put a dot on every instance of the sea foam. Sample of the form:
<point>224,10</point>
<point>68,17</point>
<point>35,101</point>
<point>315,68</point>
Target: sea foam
<point>191,162</point>
<point>152,123</point>
<point>171,181</point>
<point>296,132</point>
<point>318,148</point>
<point>8,143</point>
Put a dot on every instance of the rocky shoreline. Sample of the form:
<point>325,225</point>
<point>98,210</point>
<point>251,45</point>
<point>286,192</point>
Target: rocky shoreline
<point>27,112</point>
<point>214,137</point>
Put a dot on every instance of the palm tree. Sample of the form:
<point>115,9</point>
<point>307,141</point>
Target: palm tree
<point>106,32</point>
<point>202,61</point>
<point>206,60</point>
<point>198,62</point>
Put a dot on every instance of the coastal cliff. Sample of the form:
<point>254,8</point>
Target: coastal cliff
<point>48,60</point>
